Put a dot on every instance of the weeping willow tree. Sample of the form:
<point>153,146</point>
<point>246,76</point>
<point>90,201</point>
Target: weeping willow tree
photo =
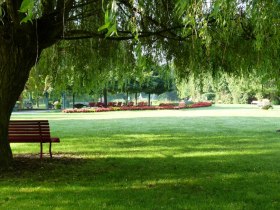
<point>85,65</point>
<point>198,36</point>
<point>80,67</point>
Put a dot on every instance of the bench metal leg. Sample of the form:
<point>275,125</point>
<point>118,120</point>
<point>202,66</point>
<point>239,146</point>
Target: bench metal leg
<point>50,149</point>
<point>41,151</point>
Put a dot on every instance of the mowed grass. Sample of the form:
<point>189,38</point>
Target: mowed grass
<point>220,157</point>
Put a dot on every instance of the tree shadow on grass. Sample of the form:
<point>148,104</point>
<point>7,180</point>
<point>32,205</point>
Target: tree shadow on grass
<point>32,162</point>
<point>69,181</point>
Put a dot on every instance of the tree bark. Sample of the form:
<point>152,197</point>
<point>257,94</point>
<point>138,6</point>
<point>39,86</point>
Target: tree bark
<point>20,47</point>
<point>19,51</point>
<point>73,99</point>
<point>149,99</point>
<point>63,103</point>
<point>16,60</point>
<point>46,99</point>
<point>136,102</point>
<point>105,96</point>
<point>6,156</point>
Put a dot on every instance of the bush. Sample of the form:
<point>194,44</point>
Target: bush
<point>244,98</point>
<point>226,99</point>
<point>187,102</point>
<point>168,104</point>
<point>210,96</point>
<point>266,107</point>
<point>79,106</point>
<point>275,101</point>
<point>200,104</point>
<point>57,105</point>
<point>92,104</point>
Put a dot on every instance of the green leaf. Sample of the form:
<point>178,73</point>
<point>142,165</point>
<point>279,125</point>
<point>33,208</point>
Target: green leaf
<point>27,8</point>
<point>26,5</point>
<point>27,18</point>
<point>105,26</point>
<point>112,30</point>
<point>107,16</point>
<point>181,7</point>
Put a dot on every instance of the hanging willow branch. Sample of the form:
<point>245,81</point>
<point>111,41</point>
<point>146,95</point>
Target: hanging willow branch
<point>195,34</point>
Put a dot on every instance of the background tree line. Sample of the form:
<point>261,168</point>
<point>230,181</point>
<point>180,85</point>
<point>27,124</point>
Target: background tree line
<point>230,89</point>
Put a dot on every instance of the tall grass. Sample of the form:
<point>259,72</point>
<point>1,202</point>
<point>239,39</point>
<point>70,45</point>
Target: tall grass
<point>221,157</point>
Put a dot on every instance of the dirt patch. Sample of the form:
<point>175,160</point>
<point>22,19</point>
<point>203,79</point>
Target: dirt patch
<point>32,162</point>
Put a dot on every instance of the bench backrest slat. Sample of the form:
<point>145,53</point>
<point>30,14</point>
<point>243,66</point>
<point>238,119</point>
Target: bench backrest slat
<point>29,131</point>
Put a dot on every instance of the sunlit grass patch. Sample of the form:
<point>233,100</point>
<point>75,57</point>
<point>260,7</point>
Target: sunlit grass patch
<point>223,157</point>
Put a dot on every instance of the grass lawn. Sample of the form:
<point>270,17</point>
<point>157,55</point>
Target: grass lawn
<point>220,157</point>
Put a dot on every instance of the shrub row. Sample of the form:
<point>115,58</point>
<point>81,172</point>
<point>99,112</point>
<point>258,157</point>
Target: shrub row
<point>200,104</point>
<point>128,108</point>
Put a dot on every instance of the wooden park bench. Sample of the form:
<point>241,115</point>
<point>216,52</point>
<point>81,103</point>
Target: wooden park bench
<point>32,131</point>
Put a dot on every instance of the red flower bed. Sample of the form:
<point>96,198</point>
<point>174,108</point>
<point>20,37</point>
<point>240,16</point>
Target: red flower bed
<point>92,104</point>
<point>142,103</point>
<point>132,108</point>
<point>124,108</point>
<point>200,104</point>
<point>102,109</point>
<point>83,110</point>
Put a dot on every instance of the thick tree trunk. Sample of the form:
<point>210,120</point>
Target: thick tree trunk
<point>20,47</point>
<point>16,60</point>
<point>5,149</point>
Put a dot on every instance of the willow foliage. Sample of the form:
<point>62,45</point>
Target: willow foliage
<point>197,36</point>
<point>235,36</point>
